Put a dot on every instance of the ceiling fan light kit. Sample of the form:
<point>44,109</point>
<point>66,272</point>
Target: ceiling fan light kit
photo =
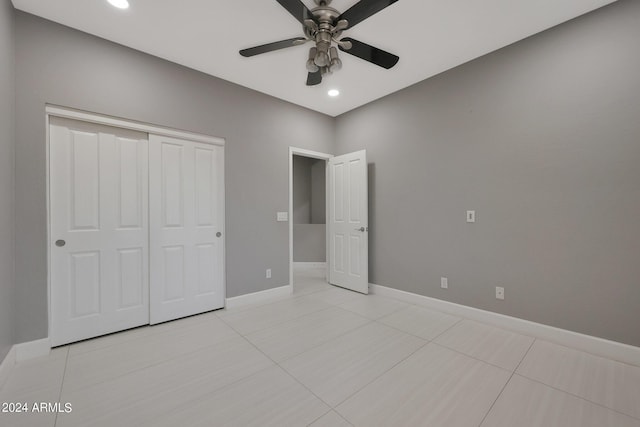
<point>323,26</point>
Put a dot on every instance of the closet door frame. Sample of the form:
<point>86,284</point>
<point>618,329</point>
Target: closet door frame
<point>70,113</point>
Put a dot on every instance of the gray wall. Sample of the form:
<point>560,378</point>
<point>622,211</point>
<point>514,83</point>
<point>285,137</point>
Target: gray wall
<point>7,98</point>
<point>542,139</point>
<point>62,66</point>
<point>309,190</point>
<point>309,243</point>
<point>318,192</point>
<point>302,190</point>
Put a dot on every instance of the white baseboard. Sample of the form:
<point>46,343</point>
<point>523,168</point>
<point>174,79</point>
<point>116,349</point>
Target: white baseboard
<point>32,349</point>
<point>594,345</point>
<point>259,297</point>
<point>307,265</point>
<point>6,365</point>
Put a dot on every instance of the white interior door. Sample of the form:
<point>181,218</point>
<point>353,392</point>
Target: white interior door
<point>99,230</point>
<point>186,223</point>
<point>348,222</point>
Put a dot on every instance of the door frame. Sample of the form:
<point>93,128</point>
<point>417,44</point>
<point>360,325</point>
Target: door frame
<point>314,155</point>
<point>101,119</point>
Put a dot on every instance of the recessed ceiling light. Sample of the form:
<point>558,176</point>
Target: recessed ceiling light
<point>333,92</point>
<point>120,4</point>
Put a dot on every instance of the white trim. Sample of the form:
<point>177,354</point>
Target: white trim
<point>7,364</point>
<point>307,265</point>
<point>48,211</point>
<point>23,352</point>
<point>259,297</point>
<point>32,349</point>
<point>84,116</point>
<point>594,345</point>
<point>315,155</point>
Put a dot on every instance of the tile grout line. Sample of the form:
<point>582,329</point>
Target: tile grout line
<point>412,334</point>
<point>369,321</point>
<point>346,398</point>
<point>273,301</point>
<point>426,342</point>
<point>64,374</point>
<point>473,357</point>
<point>577,396</point>
<point>142,327</point>
<point>345,420</point>
<point>200,397</point>
<point>286,372</point>
<point>460,320</point>
<point>598,356</point>
<point>448,313</point>
<point>327,413</point>
<point>433,341</point>
<point>522,375</point>
<point>170,359</point>
<point>232,383</point>
<point>378,318</point>
<point>381,374</point>
<point>329,306</point>
<point>506,384</point>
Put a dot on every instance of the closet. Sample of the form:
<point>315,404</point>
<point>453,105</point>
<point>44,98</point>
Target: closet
<point>136,227</point>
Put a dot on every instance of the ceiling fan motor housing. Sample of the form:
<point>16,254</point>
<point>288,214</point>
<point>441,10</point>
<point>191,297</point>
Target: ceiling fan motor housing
<point>323,32</point>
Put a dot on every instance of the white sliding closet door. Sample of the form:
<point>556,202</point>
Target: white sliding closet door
<point>186,224</point>
<point>99,230</point>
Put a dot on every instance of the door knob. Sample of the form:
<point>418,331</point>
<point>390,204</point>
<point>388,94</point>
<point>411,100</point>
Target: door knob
<point>218,234</point>
<point>361,229</point>
<point>60,243</point>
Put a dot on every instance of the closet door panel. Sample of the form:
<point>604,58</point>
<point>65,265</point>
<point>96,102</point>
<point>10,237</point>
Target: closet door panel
<point>99,230</point>
<point>186,219</point>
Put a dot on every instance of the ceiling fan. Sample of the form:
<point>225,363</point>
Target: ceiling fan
<point>323,25</point>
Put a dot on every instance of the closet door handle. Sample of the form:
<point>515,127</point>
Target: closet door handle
<point>60,243</point>
<point>218,234</point>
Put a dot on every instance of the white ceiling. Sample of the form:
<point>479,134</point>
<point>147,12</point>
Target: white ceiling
<point>430,36</point>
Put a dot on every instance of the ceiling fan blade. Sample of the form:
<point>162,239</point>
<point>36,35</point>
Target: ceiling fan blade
<point>362,10</point>
<point>314,78</point>
<point>269,47</point>
<point>370,53</point>
<point>298,10</point>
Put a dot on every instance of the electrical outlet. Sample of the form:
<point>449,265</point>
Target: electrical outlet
<point>444,283</point>
<point>268,273</point>
<point>499,292</point>
<point>471,216</point>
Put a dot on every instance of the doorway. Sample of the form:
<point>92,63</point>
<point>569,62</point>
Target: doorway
<point>346,213</point>
<point>307,220</point>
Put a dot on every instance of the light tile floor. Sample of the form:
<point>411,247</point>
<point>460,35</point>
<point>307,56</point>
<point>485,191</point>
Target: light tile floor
<point>324,357</point>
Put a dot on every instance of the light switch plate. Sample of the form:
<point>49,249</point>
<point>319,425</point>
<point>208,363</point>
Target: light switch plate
<point>282,216</point>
